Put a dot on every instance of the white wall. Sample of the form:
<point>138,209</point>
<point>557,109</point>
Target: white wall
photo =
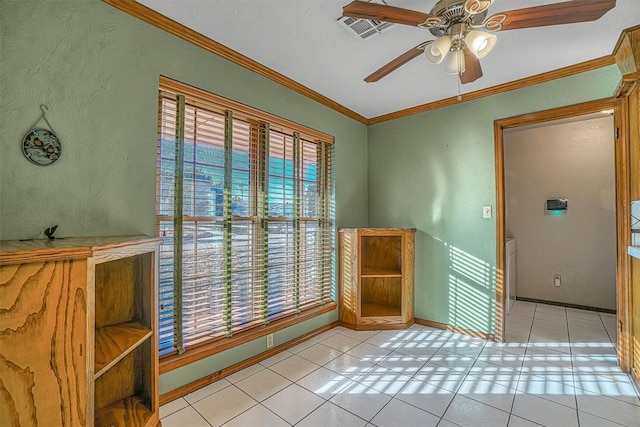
<point>573,160</point>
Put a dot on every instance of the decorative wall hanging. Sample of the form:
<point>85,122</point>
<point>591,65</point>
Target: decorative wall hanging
<point>42,146</point>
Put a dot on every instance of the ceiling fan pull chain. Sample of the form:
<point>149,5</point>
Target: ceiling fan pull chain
<point>459,97</point>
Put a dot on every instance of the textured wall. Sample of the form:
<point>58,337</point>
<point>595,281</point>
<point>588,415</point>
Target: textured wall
<point>573,160</point>
<point>97,69</point>
<point>434,171</point>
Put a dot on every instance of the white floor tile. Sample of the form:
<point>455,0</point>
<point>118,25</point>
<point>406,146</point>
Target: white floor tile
<point>303,345</point>
<point>462,347</point>
<point>588,420</point>
<point>293,368</point>
<point>349,366</point>
<point>544,411</point>
<point>205,391</point>
<point>471,413</point>
<point>324,335</point>
<point>515,421</point>
<point>363,401</point>
<point>556,391</point>
<point>223,405</point>
<point>293,403</point>
<point>330,414</point>
<point>523,308</point>
<point>402,363</point>
<point>488,392</point>
<point>447,423</point>
<point>384,381</point>
<point>245,373</point>
<point>609,409</point>
<point>276,358</point>
<point>559,325</point>
<point>508,347</point>
<point>319,354</point>
<point>501,358</point>
<point>398,413</point>
<point>369,352</point>
<point>557,365</point>
<point>187,417</point>
<point>358,335</point>
<point>440,376</point>
<point>419,348</point>
<point>426,396</point>
<point>548,308</point>
<point>340,342</point>
<point>173,406</point>
<point>257,416</point>
<point>325,383</point>
<point>384,341</point>
<point>617,388</point>
<point>263,384</point>
<point>455,361</point>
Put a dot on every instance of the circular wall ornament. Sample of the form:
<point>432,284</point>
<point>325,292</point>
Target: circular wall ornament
<point>41,147</point>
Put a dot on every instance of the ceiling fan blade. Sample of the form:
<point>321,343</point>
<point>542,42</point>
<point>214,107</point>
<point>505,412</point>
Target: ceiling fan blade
<point>395,64</point>
<point>381,12</point>
<point>473,70</point>
<point>566,12</point>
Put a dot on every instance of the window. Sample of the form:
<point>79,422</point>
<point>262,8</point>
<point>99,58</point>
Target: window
<point>245,210</point>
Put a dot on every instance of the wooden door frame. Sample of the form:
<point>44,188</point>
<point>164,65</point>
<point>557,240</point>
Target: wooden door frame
<point>623,207</point>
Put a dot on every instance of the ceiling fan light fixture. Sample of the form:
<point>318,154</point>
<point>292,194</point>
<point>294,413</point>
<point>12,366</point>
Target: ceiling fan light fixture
<point>438,49</point>
<point>455,63</point>
<point>480,43</point>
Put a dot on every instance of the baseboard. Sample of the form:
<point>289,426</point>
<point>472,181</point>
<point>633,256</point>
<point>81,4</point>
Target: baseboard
<point>211,378</point>
<point>635,378</point>
<point>564,304</point>
<point>377,326</point>
<point>465,331</point>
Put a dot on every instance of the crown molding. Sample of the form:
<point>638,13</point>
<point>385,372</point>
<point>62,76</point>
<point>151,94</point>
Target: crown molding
<point>158,20</point>
<point>494,90</point>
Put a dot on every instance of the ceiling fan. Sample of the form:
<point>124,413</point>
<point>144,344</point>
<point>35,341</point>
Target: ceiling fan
<point>464,33</point>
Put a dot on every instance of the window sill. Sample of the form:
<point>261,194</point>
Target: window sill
<point>175,361</point>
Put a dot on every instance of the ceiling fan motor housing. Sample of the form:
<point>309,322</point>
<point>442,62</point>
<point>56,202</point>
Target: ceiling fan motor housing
<point>452,12</point>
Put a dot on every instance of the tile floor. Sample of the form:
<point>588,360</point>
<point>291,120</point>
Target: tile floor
<point>557,368</point>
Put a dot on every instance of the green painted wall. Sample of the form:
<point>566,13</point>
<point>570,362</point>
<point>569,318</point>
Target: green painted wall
<point>434,171</point>
<point>97,69</point>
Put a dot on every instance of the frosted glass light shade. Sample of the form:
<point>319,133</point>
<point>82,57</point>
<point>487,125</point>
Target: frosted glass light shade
<point>438,49</point>
<point>480,43</point>
<point>455,63</point>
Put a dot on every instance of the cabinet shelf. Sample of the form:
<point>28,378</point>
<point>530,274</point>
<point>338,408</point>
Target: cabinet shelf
<point>380,272</point>
<point>115,342</point>
<point>376,278</point>
<point>369,309</point>
<point>94,355</point>
<point>128,412</point>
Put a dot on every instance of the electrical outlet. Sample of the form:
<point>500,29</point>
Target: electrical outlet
<point>269,340</point>
<point>486,211</point>
<point>556,280</point>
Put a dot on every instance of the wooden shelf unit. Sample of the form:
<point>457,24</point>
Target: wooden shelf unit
<point>376,278</point>
<point>81,317</point>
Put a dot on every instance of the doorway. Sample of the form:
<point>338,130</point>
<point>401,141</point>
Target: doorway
<point>622,269</point>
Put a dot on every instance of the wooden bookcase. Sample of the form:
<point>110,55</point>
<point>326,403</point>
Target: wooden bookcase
<point>78,340</point>
<point>376,277</point>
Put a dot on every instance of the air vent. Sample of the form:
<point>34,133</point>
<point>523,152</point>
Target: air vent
<point>363,28</point>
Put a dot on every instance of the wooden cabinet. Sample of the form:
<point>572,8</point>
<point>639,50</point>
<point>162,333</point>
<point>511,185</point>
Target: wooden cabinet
<point>376,277</point>
<point>78,343</point>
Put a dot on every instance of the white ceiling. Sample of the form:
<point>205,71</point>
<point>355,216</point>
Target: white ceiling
<point>302,40</point>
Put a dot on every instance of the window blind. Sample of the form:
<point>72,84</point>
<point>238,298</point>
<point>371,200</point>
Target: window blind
<point>245,210</point>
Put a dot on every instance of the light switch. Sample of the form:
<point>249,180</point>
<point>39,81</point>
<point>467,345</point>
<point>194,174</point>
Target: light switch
<point>486,211</point>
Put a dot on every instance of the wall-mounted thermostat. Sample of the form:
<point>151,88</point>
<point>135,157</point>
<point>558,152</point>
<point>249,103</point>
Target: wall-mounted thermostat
<point>557,206</point>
